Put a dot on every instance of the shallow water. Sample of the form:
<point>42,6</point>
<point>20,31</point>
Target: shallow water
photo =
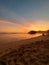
<point>4,38</point>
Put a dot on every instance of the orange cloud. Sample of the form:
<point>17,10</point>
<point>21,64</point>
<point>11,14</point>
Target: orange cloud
<point>17,27</point>
<point>8,22</point>
<point>40,25</point>
<point>25,26</point>
<point>27,22</point>
<point>36,24</point>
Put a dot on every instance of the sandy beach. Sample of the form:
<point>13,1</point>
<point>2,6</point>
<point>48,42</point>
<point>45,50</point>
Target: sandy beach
<point>34,51</point>
<point>14,44</point>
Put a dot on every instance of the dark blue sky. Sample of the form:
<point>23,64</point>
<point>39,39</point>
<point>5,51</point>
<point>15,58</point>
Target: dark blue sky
<point>30,9</point>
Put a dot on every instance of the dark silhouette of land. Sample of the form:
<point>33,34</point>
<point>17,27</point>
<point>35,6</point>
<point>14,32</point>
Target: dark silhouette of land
<point>32,32</point>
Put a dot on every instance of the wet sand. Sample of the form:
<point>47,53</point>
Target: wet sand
<point>14,44</point>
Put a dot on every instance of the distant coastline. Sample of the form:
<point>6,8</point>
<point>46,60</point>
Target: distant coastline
<point>12,33</point>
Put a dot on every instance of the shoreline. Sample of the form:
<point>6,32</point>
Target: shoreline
<point>15,44</point>
<point>34,49</point>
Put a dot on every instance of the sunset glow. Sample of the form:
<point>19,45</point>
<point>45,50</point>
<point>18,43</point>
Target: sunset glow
<point>7,26</point>
<point>21,17</point>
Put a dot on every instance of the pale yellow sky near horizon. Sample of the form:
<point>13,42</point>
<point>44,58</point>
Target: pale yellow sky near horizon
<point>10,26</point>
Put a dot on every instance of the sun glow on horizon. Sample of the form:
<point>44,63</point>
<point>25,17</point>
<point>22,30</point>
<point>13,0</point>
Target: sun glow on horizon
<point>9,26</point>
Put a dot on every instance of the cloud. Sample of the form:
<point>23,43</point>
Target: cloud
<point>36,24</point>
<point>11,24</point>
<point>7,22</point>
<point>11,19</point>
<point>28,25</point>
<point>41,25</point>
<point>27,22</point>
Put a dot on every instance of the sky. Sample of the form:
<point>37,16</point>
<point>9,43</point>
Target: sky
<point>24,15</point>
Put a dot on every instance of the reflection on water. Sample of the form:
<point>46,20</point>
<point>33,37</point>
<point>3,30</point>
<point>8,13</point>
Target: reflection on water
<point>12,37</point>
